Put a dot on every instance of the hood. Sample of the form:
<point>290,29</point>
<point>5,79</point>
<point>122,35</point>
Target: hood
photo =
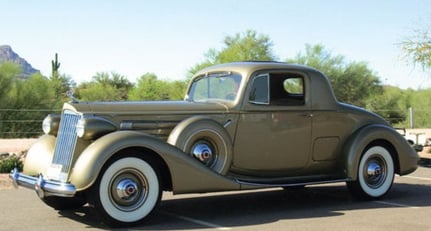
<point>147,107</point>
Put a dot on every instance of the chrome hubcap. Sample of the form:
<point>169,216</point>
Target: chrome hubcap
<point>128,190</point>
<point>203,151</point>
<point>375,172</point>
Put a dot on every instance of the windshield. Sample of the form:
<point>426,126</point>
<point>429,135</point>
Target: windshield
<point>218,86</point>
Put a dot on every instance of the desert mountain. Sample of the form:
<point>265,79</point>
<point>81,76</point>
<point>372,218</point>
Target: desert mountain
<point>8,55</point>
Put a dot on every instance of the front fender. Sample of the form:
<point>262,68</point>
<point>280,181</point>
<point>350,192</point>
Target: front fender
<point>39,156</point>
<point>405,158</point>
<point>187,174</point>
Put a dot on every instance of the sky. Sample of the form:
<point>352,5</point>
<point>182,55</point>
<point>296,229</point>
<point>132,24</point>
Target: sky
<point>134,37</point>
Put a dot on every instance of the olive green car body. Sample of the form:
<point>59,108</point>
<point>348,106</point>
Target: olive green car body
<point>319,140</point>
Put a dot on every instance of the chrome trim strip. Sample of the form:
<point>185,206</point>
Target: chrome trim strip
<point>290,184</point>
<point>43,187</point>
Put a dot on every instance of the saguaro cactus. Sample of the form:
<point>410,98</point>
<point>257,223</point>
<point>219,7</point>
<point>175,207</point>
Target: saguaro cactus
<point>55,66</point>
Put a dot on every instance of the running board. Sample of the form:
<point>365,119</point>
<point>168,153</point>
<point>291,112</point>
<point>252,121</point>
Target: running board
<point>259,184</point>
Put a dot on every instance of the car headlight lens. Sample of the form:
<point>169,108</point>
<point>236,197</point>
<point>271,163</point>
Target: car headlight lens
<point>50,124</point>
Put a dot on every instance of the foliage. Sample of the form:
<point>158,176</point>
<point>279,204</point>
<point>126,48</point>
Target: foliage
<point>18,99</point>
<point>105,87</point>
<point>390,104</point>
<point>8,73</point>
<point>417,47</point>
<point>149,87</point>
<point>61,84</point>
<point>352,82</point>
<point>420,101</point>
<point>7,164</point>
<point>241,47</point>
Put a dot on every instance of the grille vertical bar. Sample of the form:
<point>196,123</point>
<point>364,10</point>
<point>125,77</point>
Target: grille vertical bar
<point>66,140</point>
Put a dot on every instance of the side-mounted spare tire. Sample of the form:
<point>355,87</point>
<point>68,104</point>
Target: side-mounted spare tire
<point>206,140</point>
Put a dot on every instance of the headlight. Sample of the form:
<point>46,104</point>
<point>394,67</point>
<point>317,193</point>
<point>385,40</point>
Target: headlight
<point>93,127</point>
<point>50,124</point>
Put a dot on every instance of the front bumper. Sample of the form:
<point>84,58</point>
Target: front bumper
<point>42,186</point>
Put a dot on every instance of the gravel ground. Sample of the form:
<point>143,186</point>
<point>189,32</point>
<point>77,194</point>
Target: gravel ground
<point>15,145</point>
<point>4,182</point>
<point>12,146</point>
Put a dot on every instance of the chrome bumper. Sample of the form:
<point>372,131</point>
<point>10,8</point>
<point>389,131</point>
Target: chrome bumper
<point>42,186</point>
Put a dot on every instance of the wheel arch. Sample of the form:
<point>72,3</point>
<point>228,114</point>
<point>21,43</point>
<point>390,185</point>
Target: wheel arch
<point>112,147</point>
<point>372,135</point>
<point>148,155</point>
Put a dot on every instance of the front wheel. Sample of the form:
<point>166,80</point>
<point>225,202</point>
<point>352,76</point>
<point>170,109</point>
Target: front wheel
<point>127,191</point>
<point>375,174</point>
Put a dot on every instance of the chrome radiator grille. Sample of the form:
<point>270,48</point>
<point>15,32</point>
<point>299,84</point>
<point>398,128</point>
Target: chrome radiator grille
<point>66,140</point>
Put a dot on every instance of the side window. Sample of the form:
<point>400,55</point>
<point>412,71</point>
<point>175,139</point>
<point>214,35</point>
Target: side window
<point>294,86</point>
<point>287,89</point>
<point>259,93</point>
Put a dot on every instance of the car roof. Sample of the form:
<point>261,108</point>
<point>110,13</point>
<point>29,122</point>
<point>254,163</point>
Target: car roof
<point>247,67</point>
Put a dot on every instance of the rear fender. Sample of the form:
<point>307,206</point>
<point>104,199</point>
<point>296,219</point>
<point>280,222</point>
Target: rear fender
<point>187,174</point>
<point>405,158</point>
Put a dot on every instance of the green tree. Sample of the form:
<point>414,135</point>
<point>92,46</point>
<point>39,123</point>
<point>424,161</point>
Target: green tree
<point>177,89</point>
<point>245,46</point>
<point>420,102</point>
<point>8,76</point>
<point>149,87</point>
<point>417,47</point>
<point>97,92</point>
<point>25,104</point>
<point>352,82</point>
<point>391,105</point>
<point>116,80</point>
<point>105,87</point>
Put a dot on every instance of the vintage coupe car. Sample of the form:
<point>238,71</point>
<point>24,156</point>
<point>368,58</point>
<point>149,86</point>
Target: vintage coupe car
<point>243,125</point>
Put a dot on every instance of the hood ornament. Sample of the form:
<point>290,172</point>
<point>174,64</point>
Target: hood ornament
<point>70,95</point>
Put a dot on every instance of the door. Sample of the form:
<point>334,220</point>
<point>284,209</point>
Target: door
<point>274,128</point>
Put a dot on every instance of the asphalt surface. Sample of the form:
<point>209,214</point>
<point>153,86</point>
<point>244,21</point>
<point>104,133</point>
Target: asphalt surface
<point>324,207</point>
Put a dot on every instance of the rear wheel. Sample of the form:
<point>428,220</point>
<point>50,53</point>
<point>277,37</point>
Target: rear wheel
<point>127,191</point>
<point>375,174</point>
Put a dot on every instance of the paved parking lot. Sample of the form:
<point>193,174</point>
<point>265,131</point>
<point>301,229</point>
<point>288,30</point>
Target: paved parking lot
<point>324,207</point>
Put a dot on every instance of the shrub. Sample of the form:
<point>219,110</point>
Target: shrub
<point>9,163</point>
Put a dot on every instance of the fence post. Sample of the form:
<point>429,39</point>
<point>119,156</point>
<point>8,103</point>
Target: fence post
<point>411,119</point>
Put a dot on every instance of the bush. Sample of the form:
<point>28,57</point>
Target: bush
<point>7,164</point>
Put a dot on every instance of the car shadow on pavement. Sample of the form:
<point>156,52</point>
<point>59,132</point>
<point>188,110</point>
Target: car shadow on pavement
<point>261,207</point>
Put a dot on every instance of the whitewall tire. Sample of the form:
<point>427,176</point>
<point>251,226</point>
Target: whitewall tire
<point>375,174</point>
<point>127,191</point>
